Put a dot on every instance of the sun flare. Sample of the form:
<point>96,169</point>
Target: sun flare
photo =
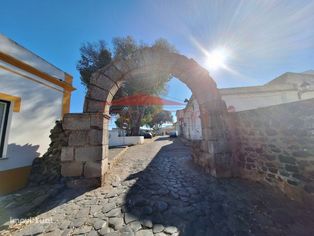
<point>217,59</point>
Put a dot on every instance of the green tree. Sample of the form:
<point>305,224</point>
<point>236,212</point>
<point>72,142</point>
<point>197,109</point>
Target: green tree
<point>160,118</point>
<point>93,57</point>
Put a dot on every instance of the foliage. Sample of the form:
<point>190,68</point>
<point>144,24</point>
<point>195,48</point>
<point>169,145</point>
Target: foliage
<point>124,47</point>
<point>160,118</point>
<point>93,57</point>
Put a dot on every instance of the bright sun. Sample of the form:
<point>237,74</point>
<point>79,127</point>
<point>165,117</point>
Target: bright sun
<point>216,59</point>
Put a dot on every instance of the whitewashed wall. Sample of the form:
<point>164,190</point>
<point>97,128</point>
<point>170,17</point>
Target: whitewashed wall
<point>242,99</point>
<point>28,131</point>
<point>191,126</point>
<point>243,102</point>
<point>116,140</point>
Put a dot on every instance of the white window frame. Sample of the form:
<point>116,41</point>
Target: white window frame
<point>5,127</point>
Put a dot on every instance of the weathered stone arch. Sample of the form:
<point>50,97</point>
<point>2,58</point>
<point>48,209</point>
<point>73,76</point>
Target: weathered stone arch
<point>87,151</point>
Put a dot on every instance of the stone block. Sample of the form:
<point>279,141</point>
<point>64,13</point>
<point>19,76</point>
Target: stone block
<point>114,89</point>
<point>92,169</point>
<point>96,120</point>
<point>110,97</point>
<point>71,169</point>
<point>102,81</point>
<point>113,73</point>
<point>76,121</point>
<point>97,93</point>
<point>95,137</point>
<point>67,154</point>
<point>94,106</point>
<point>107,110</point>
<point>78,138</point>
<point>99,120</point>
<point>91,153</point>
<point>94,77</point>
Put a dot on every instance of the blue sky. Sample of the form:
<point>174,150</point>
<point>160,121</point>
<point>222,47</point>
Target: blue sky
<point>264,38</point>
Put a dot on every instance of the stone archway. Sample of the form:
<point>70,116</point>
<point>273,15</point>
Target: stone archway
<point>87,152</point>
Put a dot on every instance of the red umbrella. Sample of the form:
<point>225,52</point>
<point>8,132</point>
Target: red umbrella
<point>143,100</point>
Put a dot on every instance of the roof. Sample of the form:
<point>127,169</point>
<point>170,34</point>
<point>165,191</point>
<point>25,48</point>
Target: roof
<point>285,82</point>
<point>293,78</point>
<point>13,49</point>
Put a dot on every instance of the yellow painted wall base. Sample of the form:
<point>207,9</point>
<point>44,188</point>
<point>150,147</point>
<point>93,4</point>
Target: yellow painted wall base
<point>14,179</point>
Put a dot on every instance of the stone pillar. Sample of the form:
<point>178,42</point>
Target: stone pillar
<point>87,152</point>
<point>214,153</point>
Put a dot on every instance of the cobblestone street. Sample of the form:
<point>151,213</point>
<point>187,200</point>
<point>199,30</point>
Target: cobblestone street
<point>155,189</point>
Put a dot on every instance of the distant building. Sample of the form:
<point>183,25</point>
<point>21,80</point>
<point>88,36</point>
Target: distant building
<point>166,129</point>
<point>289,87</point>
<point>189,122</point>
<point>33,95</point>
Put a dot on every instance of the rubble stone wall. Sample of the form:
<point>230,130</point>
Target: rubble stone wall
<point>276,145</point>
<point>47,169</point>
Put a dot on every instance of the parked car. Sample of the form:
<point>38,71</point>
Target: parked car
<point>148,135</point>
<point>173,134</point>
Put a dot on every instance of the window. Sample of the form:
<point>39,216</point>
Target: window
<point>4,113</point>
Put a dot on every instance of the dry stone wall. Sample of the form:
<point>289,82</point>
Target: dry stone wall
<point>276,145</point>
<point>47,169</point>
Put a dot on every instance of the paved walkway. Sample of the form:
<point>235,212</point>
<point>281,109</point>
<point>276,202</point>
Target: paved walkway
<point>155,189</point>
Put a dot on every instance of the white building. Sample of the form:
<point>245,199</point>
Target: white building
<point>33,95</point>
<point>289,87</point>
<point>189,122</point>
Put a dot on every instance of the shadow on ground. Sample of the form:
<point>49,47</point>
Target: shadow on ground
<point>171,195</point>
<point>162,138</point>
<point>173,191</point>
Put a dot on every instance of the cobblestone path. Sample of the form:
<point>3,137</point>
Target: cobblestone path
<point>155,189</point>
